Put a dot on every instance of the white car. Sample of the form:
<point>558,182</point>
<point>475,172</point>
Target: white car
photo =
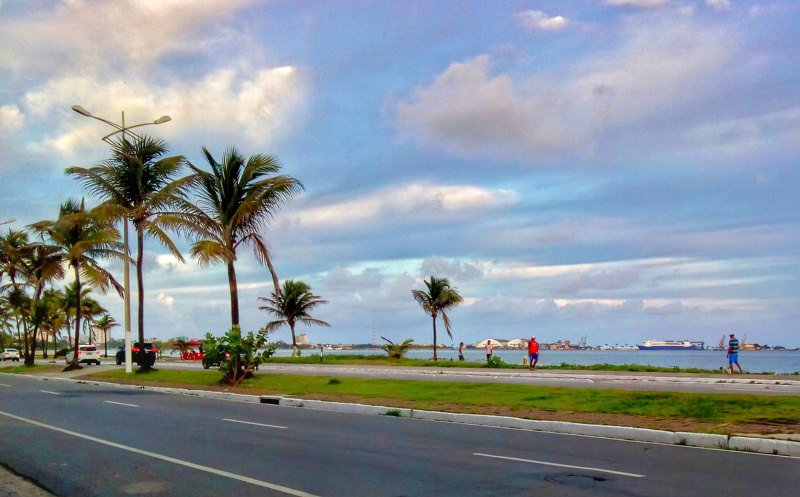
<point>86,353</point>
<point>11,355</point>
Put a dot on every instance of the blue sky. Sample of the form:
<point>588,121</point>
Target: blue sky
<point>620,169</point>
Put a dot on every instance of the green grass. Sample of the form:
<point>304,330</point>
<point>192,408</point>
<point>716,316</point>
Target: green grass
<point>36,368</point>
<point>720,409</point>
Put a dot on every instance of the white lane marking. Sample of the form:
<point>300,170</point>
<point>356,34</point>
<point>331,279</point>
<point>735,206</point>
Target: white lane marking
<point>255,424</point>
<point>48,391</point>
<point>4,385</point>
<point>545,463</point>
<point>180,462</point>
<point>120,403</point>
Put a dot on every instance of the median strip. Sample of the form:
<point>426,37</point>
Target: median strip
<point>546,463</point>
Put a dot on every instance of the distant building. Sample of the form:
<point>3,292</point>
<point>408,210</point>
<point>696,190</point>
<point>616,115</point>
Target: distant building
<point>517,343</point>
<point>302,339</point>
<point>495,343</point>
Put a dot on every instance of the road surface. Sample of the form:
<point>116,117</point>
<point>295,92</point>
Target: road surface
<point>80,439</point>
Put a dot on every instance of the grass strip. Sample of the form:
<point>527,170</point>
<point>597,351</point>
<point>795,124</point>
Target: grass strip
<point>720,409</point>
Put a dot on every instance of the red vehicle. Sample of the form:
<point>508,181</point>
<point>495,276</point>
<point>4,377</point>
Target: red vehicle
<point>191,350</point>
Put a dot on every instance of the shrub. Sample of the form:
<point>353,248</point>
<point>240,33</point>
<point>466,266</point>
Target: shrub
<point>242,355</point>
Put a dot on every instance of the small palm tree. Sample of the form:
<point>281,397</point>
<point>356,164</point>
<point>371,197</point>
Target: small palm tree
<point>397,350</point>
<point>236,200</point>
<point>83,238</point>
<point>293,304</point>
<point>439,297</point>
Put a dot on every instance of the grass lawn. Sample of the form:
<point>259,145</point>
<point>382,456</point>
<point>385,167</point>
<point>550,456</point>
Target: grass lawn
<point>720,413</point>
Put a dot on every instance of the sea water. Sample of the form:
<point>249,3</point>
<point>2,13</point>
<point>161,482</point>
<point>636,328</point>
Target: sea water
<point>760,361</point>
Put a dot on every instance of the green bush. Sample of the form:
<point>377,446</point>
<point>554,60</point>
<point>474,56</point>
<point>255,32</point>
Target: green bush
<point>495,362</point>
<point>241,354</point>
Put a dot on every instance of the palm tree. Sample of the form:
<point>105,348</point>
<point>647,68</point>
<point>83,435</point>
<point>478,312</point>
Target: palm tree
<point>105,323</point>
<point>439,297</point>
<point>236,200</point>
<point>292,304</point>
<point>14,250</point>
<point>41,266</point>
<point>138,183</point>
<point>83,237</point>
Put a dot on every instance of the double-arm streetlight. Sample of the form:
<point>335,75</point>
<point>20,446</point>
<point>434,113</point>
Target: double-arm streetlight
<point>121,128</point>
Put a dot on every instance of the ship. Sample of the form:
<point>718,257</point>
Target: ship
<point>671,345</point>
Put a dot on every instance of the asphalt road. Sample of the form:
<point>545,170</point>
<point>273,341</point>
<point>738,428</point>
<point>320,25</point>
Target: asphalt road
<point>79,439</point>
<point>747,384</point>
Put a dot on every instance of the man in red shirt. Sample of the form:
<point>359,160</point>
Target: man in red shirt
<point>533,352</point>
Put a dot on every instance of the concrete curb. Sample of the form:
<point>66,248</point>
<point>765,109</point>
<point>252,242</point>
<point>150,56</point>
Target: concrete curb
<point>704,440</point>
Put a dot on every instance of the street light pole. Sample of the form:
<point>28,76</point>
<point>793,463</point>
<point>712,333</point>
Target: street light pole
<point>126,259</point>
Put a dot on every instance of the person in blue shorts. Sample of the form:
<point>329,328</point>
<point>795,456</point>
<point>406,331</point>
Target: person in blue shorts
<point>733,354</point>
<point>533,353</point>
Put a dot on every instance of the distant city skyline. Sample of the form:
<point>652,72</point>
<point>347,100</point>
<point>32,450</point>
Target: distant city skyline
<point>617,169</point>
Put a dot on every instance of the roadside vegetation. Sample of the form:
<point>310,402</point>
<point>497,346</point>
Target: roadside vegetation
<point>718,413</point>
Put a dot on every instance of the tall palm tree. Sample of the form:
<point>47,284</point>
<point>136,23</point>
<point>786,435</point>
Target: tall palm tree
<point>83,237</point>
<point>292,305</point>
<point>105,323</point>
<point>439,297</point>
<point>138,184</point>
<point>235,202</point>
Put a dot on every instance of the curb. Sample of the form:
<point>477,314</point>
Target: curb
<point>703,440</point>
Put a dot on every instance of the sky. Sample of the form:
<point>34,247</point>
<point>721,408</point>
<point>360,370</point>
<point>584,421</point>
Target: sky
<point>622,170</point>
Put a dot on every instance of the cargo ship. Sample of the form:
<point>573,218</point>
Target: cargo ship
<point>671,345</point>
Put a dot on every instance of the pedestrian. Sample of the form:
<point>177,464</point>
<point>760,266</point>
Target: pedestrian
<point>533,353</point>
<point>461,351</point>
<point>489,350</point>
<point>733,354</point>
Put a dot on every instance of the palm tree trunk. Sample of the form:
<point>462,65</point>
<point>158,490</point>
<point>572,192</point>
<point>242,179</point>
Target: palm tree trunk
<point>294,340</point>
<point>435,357</point>
<point>234,294</point>
<point>74,363</point>
<point>274,275</point>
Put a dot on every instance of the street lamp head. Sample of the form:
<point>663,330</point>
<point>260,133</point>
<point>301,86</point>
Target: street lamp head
<point>82,111</point>
<point>162,119</point>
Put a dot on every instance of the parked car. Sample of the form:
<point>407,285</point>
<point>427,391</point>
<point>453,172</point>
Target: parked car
<point>86,354</point>
<point>11,355</point>
<point>149,357</point>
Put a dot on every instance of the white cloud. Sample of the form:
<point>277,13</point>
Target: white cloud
<point>638,3</point>
<point>455,271</point>
<point>165,300</point>
<point>719,4</point>
<point>472,111</point>
<point>410,202</point>
<point>91,35</point>
<point>536,19</point>
<point>11,119</point>
<point>256,105</point>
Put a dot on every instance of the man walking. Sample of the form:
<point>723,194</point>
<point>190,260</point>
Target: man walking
<point>733,354</point>
<point>533,353</point>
